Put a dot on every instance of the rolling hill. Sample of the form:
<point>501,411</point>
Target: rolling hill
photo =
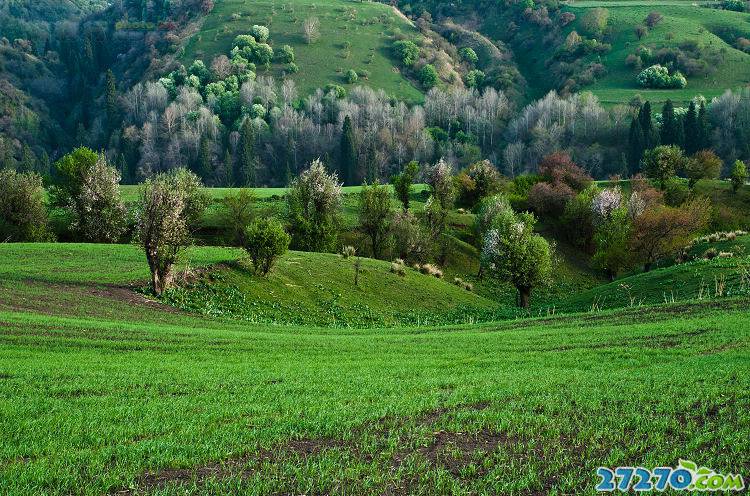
<point>353,35</point>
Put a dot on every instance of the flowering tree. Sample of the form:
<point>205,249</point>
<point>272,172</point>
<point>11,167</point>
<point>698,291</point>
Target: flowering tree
<point>170,207</point>
<point>98,211</point>
<point>511,251</point>
<point>23,215</point>
<point>605,203</point>
<point>313,204</point>
<point>439,178</point>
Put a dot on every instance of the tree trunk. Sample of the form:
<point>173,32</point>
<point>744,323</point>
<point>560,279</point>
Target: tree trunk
<point>524,293</point>
<point>647,267</point>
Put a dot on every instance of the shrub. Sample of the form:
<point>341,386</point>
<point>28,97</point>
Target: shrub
<point>469,55</point>
<point>463,284</point>
<point>428,76</point>
<point>652,19</point>
<point>675,192</point>
<point>476,182</point>
<point>431,270</point>
<point>662,163</point>
<point>474,78</point>
<point>549,200</point>
<point>285,54</point>
<point>704,164</point>
<point>351,76</point>
<point>398,267</point>
<point>236,215</point>
<point>265,241</point>
<point>407,51</point>
<point>594,22</point>
<point>558,167</point>
<point>260,33</point>
<point>169,209</point>
<point>409,239</point>
<point>348,251</point>
<point>658,76</point>
<point>738,175</point>
<point>440,180</point>
<point>313,204</point>
<point>23,215</point>
<point>710,253</point>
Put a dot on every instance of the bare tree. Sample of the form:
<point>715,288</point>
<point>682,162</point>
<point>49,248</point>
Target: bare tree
<point>311,29</point>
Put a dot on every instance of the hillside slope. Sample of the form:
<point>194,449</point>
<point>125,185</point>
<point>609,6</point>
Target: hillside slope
<point>352,36</point>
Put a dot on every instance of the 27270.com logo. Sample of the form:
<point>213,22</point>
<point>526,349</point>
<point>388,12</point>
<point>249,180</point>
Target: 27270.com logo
<point>687,476</point>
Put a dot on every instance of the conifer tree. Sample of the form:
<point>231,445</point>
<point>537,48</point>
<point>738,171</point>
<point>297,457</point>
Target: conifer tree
<point>348,153</point>
<point>244,171</point>
<point>692,136</point>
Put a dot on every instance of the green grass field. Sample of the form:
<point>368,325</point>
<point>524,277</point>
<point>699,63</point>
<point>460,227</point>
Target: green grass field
<point>368,27</point>
<point>104,391</point>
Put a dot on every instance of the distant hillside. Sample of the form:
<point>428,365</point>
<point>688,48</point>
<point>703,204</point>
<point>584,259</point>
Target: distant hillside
<point>352,35</point>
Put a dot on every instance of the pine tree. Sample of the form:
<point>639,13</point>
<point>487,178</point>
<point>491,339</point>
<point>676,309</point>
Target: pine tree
<point>228,168</point>
<point>650,138</point>
<point>205,167</point>
<point>244,172</point>
<point>692,137</point>
<point>111,99</point>
<point>669,124</point>
<point>702,128</point>
<point>348,153</point>
<point>636,146</point>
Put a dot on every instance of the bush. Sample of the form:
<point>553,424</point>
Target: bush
<point>476,182</point>
<point>549,200</point>
<point>348,251</point>
<point>265,241</point>
<point>375,215</point>
<point>657,76</point>
<point>351,76</point>
<point>428,76</point>
<point>409,240</point>
<point>285,55</point>
<point>676,193</point>
<point>236,215</point>
<point>738,175</point>
<point>710,253</point>
<point>431,270</point>
<point>652,19</point>
<point>469,55</point>
<point>260,33</point>
<point>407,51</point>
<point>23,215</point>
<point>398,267</point>
<point>402,183</point>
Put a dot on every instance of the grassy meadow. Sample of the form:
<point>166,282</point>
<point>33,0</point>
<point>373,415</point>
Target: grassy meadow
<point>367,26</point>
<point>106,391</point>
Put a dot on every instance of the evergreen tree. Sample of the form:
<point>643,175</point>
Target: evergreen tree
<point>650,138</point>
<point>636,146</point>
<point>111,99</point>
<point>703,128</point>
<point>228,169</point>
<point>348,153</point>
<point>669,125</point>
<point>691,130</point>
<point>244,171</point>
<point>205,167</point>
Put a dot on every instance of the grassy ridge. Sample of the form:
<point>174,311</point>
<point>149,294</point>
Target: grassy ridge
<point>368,27</point>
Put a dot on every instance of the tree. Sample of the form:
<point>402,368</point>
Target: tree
<point>236,214</point>
<point>23,215</point>
<point>311,29</point>
<point>428,76</point>
<point>636,145</point>
<point>738,175</point>
<point>692,133</point>
<point>69,172</point>
<point>662,163</point>
<point>440,181</point>
<point>205,165</point>
<point>670,125</point>
<point>244,172</point>
<point>511,251</point>
<point>260,33</point>
<point>313,204</point>
<point>375,215</point>
<point>640,31</point>
<point>407,51</point>
<point>351,76</point>
<point>169,210</point>
<point>650,138</point>
<point>479,180</point>
<point>111,99</point>
<point>703,165</point>
<point>402,183</point>
<point>348,152</point>
<point>469,55</point>
<point>594,22</point>
<point>98,213</point>
<point>652,19</point>
<point>662,230</point>
<point>703,129</point>
<point>265,241</point>
<point>611,241</point>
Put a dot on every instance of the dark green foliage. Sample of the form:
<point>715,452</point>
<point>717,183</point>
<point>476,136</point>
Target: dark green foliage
<point>662,163</point>
<point>23,215</point>
<point>69,173</point>
<point>407,51</point>
<point>692,131</point>
<point>671,127</point>
<point>244,170</point>
<point>428,76</point>
<point>265,241</point>
<point>375,215</point>
<point>636,145</point>
<point>402,183</point>
<point>236,214</point>
<point>738,175</point>
<point>348,153</point>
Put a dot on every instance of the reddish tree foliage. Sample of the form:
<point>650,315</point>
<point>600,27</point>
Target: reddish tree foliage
<point>662,230</point>
<point>549,199</point>
<point>558,167</point>
<point>207,6</point>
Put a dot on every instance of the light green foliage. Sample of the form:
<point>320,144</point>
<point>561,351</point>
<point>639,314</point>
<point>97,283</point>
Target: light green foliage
<point>474,78</point>
<point>512,252</point>
<point>428,76</point>
<point>265,241</point>
<point>488,210</point>
<point>23,215</point>
<point>469,55</point>
<point>285,54</point>
<point>658,77</point>
<point>738,175</point>
<point>375,215</point>
<point>351,76</point>
<point>260,33</point>
<point>407,51</point>
<point>611,241</point>
<point>69,172</point>
<point>237,213</point>
<point>663,162</point>
<point>98,213</point>
<point>594,22</point>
